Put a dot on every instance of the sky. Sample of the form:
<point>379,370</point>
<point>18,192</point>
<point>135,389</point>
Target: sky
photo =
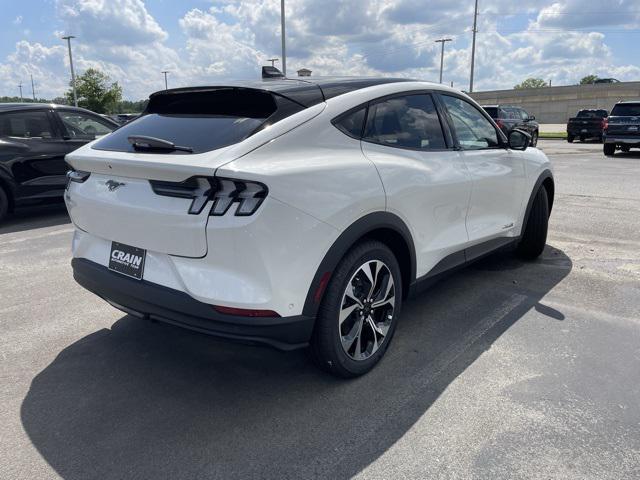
<point>207,41</point>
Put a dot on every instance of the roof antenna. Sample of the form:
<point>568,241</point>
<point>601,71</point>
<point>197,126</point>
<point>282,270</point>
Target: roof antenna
<point>269,71</point>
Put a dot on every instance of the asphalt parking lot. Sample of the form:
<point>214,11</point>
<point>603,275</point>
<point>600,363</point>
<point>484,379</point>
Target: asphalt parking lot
<point>504,370</point>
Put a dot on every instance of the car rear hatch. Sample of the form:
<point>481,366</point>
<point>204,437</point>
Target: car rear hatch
<point>150,183</point>
<point>624,120</point>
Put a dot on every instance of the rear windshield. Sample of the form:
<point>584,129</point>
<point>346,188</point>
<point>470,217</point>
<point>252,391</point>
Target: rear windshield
<point>592,113</point>
<point>200,121</point>
<point>492,111</point>
<point>626,110</point>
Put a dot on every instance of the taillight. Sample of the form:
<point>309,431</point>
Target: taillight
<point>223,191</point>
<point>248,195</point>
<point>77,177</point>
<point>605,124</point>
<point>500,124</point>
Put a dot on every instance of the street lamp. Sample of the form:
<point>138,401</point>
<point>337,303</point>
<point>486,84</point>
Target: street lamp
<point>442,41</point>
<point>20,87</point>
<point>165,79</point>
<point>273,61</point>
<point>282,32</point>
<point>73,74</point>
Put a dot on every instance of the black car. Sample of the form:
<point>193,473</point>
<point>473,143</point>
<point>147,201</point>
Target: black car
<point>508,118</point>
<point>622,129</point>
<point>587,124</point>
<point>34,138</point>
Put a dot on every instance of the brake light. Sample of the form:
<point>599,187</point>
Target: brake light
<point>223,191</point>
<point>249,196</point>
<point>500,124</point>
<point>605,124</point>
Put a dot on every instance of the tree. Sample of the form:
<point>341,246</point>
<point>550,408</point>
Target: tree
<point>531,83</point>
<point>95,92</point>
<point>588,80</point>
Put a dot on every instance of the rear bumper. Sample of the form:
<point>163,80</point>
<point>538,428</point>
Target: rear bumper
<point>590,131</point>
<point>156,302</point>
<point>622,140</point>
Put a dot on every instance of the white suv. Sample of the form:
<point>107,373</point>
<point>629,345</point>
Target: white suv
<point>300,213</point>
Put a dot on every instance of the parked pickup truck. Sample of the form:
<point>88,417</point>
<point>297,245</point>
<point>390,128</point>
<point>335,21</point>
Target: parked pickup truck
<point>622,129</point>
<point>509,118</point>
<point>587,124</point>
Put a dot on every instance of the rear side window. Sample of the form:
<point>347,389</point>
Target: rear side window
<point>26,124</point>
<point>201,120</point>
<point>83,126</point>
<point>626,110</point>
<point>352,123</point>
<point>409,121</point>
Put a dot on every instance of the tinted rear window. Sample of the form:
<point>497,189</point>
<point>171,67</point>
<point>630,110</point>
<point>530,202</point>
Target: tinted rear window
<point>626,110</point>
<point>592,113</point>
<point>202,121</point>
<point>492,111</point>
<point>352,123</point>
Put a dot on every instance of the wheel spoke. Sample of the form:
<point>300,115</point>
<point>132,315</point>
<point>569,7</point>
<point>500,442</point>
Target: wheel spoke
<point>349,294</point>
<point>346,311</point>
<point>375,332</point>
<point>352,336</point>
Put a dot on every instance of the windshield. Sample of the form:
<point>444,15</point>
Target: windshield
<point>626,110</point>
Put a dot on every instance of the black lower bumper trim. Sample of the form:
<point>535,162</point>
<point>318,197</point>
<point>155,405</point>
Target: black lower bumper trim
<point>156,302</point>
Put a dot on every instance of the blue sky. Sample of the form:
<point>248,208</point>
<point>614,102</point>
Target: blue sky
<point>206,41</point>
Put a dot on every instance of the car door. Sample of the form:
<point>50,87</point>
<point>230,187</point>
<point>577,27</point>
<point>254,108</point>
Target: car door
<point>425,180</point>
<point>526,124</point>
<point>497,173</point>
<point>35,150</point>
<point>80,127</point>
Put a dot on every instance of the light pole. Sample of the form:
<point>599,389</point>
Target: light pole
<point>284,53</point>
<point>273,61</point>
<point>165,79</point>
<point>73,74</point>
<point>473,46</point>
<point>33,88</point>
<point>20,87</point>
<point>442,41</point>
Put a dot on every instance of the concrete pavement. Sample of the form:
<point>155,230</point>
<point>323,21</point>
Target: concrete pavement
<point>504,370</point>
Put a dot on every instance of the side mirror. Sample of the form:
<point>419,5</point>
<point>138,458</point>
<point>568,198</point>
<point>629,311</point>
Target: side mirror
<point>519,140</point>
<point>531,117</point>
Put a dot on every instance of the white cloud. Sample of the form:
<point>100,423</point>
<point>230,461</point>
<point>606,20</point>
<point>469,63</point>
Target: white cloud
<point>560,40</point>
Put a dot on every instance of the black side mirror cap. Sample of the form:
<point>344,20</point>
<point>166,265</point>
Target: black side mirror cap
<point>519,140</point>
<point>532,117</point>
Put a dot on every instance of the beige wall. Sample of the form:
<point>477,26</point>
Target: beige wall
<point>558,104</point>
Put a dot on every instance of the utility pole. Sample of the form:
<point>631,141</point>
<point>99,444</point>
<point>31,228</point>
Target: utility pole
<point>33,88</point>
<point>473,45</point>
<point>273,61</point>
<point>20,87</point>
<point>442,41</point>
<point>165,79</point>
<point>73,74</point>
<point>284,52</point>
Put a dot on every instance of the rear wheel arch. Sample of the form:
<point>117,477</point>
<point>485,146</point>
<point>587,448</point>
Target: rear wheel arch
<point>384,227</point>
<point>545,179</point>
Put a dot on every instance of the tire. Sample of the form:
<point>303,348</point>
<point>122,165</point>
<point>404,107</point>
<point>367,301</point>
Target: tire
<point>358,335</point>
<point>4,204</point>
<point>534,139</point>
<point>534,239</point>
<point>609,149</point>
<point>570,138</point>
